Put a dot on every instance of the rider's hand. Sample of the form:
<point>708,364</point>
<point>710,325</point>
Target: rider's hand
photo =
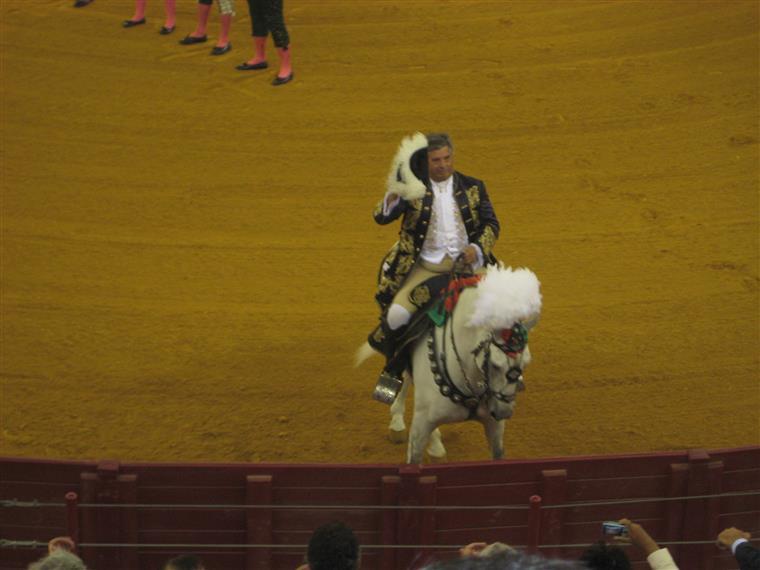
<point>470,254</point>
<point>727,538</point>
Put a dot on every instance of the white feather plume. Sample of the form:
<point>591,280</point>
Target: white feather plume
<point>409,187</point>
<point>506,296</point>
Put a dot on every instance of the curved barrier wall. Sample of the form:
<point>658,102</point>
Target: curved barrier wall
<point>260,516</point>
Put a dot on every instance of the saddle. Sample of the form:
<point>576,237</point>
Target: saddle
<point>435,300</point>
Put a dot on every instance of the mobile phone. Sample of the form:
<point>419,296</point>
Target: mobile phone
<point>614,529</point>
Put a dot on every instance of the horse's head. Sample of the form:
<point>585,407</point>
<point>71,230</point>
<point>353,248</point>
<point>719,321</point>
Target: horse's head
<point>508,306</point>
<point>502,364</point>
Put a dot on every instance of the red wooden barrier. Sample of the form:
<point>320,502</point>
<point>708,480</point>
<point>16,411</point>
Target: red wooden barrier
<point>389,496</point>
<point>89,529</point>
<point>501,488</point>
<point>127,495</point>
<point>72,516</point>
<point>259,521</point>
<point>408,524</point>
<point>674,510</point>
<point>553,492</point>
<point>534,524</point>
<point>426,491</point>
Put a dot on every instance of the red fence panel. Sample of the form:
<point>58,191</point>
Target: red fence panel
<point>262,515</point>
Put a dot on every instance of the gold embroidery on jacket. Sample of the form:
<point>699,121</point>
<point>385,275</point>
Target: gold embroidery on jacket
<point>473,199</point>
<point>412,216</point>
<point>405,243</point>
<point>420,295</point>
<point>405,264</point>
<point>487,240</point>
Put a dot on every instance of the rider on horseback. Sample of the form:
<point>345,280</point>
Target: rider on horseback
<point>447,217</point>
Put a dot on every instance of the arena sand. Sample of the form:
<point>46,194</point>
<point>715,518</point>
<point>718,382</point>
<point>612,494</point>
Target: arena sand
<point>188,256</point>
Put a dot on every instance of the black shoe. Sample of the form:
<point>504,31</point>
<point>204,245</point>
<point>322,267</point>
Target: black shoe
<point>81,3</point>
<point>190,40</point>
<point>221,50</point>
<point>164,31</point>
<point>282,80</point>
<point>251,66</point>
<point>132,23</point>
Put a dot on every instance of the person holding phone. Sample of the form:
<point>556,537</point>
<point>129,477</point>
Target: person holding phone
<point>737,540</point>
<point>657,558</point>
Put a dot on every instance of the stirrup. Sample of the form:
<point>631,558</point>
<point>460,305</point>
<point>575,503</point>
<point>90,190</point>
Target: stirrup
<point>387,388</point>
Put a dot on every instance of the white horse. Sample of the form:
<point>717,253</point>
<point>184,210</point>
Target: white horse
<point>471,368</point>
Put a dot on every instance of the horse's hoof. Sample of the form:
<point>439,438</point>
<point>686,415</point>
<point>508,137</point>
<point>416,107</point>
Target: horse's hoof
<point>397,436</point>
<point>438,459</point>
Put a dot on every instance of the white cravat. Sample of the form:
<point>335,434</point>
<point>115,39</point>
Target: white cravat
<point>446,233</point>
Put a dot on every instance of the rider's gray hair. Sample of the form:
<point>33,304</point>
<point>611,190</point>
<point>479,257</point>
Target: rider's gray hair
<point>439,140</point>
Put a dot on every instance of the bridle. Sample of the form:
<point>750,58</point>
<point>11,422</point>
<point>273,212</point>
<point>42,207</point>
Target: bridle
<point>446,385</point>
<point>514,374</point>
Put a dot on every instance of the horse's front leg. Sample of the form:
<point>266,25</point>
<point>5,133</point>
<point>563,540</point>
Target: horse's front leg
<point>397,427</point>
<point>418,438</point>
<point>495,435</point>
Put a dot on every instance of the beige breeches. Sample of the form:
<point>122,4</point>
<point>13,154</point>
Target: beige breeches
<point>421,271</point>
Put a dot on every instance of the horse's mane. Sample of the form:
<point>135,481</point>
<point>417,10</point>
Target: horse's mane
<point>505,296</point>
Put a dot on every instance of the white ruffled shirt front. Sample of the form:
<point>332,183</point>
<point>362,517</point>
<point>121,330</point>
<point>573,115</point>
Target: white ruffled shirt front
<point>446,234</point>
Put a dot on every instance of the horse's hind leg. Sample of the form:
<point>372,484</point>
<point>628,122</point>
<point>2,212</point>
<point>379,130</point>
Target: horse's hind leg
<point>435,449</point>
<point>397,428</point>
<point>495,435</point>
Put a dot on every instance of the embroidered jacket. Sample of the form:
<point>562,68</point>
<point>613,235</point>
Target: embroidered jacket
<point>479,221</point>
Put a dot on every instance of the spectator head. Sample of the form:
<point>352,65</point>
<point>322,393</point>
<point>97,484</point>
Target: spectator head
<point>602,556</point>
<point>333,547</point>
<point>59,560</point>
<point>506,561</point>
<point>184,562</point>
<point>496,548</point>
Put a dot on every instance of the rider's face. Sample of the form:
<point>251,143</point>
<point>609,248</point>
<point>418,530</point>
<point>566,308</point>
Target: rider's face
<point>440,164</point>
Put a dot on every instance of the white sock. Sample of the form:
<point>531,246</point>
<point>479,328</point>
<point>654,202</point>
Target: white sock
<point>397,316</point>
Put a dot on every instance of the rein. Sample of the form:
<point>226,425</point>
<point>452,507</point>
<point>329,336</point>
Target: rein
<point>515,340</point>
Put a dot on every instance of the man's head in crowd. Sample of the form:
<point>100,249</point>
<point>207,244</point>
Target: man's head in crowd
<point>333,547</point>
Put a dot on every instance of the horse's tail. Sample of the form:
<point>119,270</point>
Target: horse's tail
<point>364,352</point>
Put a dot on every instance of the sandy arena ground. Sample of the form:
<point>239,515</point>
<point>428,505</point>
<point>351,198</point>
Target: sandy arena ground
<point>188,257</point>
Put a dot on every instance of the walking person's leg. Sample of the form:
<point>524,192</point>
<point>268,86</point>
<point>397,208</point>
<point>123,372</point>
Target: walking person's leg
<point>199,34</point>
<point>259,32</point>
<point>226,13</point>
<point>276,25</point>
<point>138,17</point>
<point>170,20</point>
